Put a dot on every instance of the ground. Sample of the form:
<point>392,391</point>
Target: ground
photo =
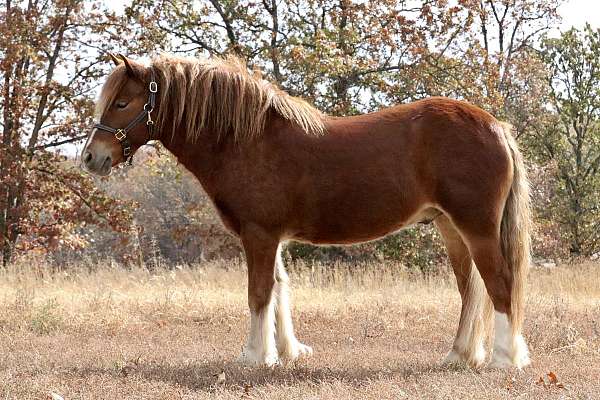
<point>378,331</point>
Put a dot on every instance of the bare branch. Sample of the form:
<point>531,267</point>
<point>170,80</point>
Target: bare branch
<point>61,142</point>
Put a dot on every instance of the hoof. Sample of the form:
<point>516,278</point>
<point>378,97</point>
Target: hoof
<point>252,358</point>
<point>453,358</point>
<point>505,362</point>
<point>476,360</point>
<point>517,357</point>
<point>295,351</point>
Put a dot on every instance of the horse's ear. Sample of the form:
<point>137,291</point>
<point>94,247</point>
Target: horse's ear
<point>128,65</point>
<point>116,60</point>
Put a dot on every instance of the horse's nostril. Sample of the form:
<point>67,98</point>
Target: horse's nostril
<point>107,164</point>
<point>87,157</point>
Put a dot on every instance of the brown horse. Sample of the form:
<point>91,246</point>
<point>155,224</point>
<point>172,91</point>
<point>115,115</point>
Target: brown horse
<point>276,169</point>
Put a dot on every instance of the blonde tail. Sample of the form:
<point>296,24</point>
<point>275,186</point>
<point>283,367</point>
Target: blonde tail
<point>514,231</point>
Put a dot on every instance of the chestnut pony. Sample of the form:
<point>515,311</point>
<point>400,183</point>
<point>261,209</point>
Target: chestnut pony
<point>277,169</point>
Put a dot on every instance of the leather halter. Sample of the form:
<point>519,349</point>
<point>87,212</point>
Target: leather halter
<point>121,133</point>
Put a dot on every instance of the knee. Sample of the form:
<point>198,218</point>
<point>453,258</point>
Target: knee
<point>501,298</point>
<point>259,295</point>
<point>499,290</point>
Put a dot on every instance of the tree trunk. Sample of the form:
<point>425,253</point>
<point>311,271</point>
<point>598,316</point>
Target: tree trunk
<point>13,194</point>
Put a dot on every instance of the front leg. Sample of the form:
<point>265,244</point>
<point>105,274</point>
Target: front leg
<point>260,249</point>
<point>288,346</point>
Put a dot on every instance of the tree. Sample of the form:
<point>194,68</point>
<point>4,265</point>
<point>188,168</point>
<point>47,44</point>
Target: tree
<point>50,66</point>
<point>488,59</point>
<point>337,54</point>
<point>571,139</point>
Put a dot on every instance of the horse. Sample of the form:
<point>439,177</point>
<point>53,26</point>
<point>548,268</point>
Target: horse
<point>277,169</point>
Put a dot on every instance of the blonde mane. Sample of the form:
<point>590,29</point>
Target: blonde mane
<point>221,96</point>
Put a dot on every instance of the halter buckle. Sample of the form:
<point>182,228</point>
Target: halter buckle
<point>127,151</point>
<point>153,87</point>
<point>120,135</point>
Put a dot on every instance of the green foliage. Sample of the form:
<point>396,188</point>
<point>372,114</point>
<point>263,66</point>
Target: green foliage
<point>46,319</point>
<point>420,247</point>
<point>570,140</point>
<point>308,252</point>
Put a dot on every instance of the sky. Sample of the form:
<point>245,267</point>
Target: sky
<point>578,12</point>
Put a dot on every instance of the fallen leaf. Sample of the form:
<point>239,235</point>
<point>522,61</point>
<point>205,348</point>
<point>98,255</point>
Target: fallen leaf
<point>54,396</point>
<point>161,323</point>
<point>541,381</point>
<point>220,377</point>
<point>551,381</point>
<point>128,369</point>
<point>130,366</point>
<point>510,381</point>
<point>247,387</point>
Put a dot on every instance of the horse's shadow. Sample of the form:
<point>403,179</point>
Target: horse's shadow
<point>230,375</point>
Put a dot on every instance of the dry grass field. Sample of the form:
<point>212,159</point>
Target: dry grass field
<point>379,332</point>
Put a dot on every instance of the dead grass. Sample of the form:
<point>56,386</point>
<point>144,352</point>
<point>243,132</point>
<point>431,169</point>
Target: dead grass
<point>378,332</point>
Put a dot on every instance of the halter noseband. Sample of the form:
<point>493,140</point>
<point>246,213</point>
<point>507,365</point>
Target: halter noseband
<point>121,134</point>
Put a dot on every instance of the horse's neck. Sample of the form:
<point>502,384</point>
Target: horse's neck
<point>213,163</point>
<point>200,157</point>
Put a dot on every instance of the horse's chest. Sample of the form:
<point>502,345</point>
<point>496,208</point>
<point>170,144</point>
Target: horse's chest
<point>229,219</point>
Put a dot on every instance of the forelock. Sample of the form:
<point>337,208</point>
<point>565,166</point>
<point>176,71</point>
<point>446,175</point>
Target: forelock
<point>115,81</point>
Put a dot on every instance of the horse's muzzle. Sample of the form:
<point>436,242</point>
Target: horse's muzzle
<point>96,164</point>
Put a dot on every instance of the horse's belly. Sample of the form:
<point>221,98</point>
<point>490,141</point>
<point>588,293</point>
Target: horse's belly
<point>349,229</point>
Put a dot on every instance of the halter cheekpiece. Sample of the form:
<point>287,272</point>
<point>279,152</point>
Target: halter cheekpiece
<point>121,133</point>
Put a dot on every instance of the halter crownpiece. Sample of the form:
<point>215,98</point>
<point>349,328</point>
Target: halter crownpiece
<point>121,133</point>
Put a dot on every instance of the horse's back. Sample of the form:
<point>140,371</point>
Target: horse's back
<point>384,169</point>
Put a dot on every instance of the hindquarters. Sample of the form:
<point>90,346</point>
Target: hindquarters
<point>490,211</point>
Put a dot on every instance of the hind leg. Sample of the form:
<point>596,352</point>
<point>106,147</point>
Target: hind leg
<point>510,348</point>
<point>288,346</point>
<point>476,308</point>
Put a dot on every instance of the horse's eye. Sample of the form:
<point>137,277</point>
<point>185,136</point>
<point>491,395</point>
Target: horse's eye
<point>121,104</point>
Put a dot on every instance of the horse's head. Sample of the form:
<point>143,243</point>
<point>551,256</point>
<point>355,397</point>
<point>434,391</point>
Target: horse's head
<point>124,116</point>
